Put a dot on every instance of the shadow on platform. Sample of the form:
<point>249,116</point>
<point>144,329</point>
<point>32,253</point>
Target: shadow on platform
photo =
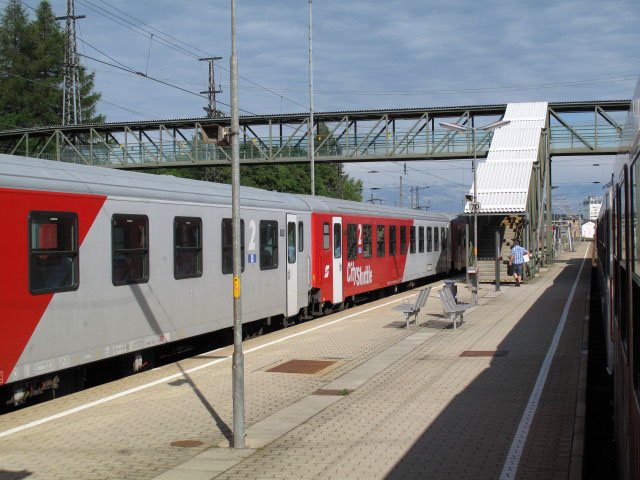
<point>14,475</point>
<point>472,435</point>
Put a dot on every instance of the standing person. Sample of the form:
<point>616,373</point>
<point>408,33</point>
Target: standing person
<point>517,261</point>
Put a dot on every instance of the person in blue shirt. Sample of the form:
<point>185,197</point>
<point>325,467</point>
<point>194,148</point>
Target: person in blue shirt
<point>517,261</point>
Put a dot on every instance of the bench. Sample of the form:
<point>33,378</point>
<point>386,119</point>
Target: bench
<point>413,309</point>
<point>456,310</point>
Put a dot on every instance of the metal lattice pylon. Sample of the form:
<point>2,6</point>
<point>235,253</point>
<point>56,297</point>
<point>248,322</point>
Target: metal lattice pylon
<point>212,107</point>
<point>71,106</point>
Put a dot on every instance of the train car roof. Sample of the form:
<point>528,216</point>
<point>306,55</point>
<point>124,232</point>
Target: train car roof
<point>334,205</point>
<point>31,173</point>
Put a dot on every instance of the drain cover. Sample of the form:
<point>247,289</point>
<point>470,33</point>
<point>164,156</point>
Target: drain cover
<point>323,391</point>
<point>484,353</point>
<point>307,367</point>
<point>186,443</point>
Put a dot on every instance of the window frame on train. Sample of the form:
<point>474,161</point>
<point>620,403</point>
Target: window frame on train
<point>634,218</point>
<point>436,239</point>
<point>367,241</point>
<point>412,239</point>
<point>392,240</point>
<point>352,241</point>
<point>291,243</point>
<point>226,245</point>
<point>421,239</point>
<point>403,239</point>
<point>429,239</point>
<point>142,251</point>
<point>263,228</point>
<point>35,254</point>
<point>326,236</point>
<point>300,236</point>
<point>380,241</point>
<point>337,240</point>
<point>181,250</point>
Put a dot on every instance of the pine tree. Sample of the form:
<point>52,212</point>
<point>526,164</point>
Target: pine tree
<point>47,67</point>
<point>32,70</point>
<point>16,46</point>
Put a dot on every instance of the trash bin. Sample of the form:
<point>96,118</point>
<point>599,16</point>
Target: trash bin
<point>472,278</point>
<point>452,287</point>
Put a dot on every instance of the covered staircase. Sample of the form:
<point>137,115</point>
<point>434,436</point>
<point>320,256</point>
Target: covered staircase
<point>510,228</point>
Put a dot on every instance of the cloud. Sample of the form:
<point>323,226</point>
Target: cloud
<point>363,46</point>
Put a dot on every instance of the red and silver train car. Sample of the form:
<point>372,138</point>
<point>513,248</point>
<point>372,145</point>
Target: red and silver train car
<point>102,263</point>
<point>618,260</point>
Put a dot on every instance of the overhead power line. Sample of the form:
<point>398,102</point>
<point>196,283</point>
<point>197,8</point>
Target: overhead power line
<point>61,88</point>
<point>158,37</point>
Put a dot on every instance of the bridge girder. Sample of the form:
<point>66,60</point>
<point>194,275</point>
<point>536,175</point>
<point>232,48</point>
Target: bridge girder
<point>574,128</point>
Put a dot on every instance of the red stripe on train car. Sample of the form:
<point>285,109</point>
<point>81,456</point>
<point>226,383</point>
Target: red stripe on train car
<point>20,311</point>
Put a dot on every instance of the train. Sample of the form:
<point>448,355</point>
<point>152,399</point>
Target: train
<point>618,272</point>
<point>103,263</point>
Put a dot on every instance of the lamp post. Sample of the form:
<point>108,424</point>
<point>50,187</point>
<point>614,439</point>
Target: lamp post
<point>475,206</point>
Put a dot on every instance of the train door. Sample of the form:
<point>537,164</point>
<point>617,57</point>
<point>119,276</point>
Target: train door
<point>337,259</point>
<point>292,266</point>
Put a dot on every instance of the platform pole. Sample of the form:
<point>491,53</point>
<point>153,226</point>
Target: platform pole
<point>498,259</point>
<point>238,356</point>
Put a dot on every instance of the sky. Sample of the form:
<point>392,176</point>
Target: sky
<point>369,54</point>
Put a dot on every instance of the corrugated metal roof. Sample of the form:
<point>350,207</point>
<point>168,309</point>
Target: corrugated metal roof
<point>586,105</point>
<point>503,180</point>
<point>504,176</point>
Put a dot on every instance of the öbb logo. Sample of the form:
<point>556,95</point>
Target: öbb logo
<point>357,276</point>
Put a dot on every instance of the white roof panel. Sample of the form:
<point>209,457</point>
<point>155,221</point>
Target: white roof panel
<point>506,155</point>
<point>504,179</point>
<point>526,111</point>
<point>512,138</point>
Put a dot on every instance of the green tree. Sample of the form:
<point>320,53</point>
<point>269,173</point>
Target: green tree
<point>16,45</point>
<point>331,181</point>
<point>32,70</point>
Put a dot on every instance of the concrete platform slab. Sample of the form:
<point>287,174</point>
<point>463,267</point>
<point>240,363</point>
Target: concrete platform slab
<point>416,409</point>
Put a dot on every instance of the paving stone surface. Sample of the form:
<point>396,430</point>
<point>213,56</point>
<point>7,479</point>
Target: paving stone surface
<point>429,414</point>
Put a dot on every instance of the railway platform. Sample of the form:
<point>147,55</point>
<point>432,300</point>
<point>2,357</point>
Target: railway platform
<point>350,395</point>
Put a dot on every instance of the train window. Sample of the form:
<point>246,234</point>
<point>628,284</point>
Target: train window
<point>635,216</point>
<point>268,244</point>
<point>325,236</point>
<point>429,239</point>
<point>130,249</point>
<point>352,241</point>
<point>436,243</point>
<point>300,237</point>
<point>392,240</point>
<point>227,246</point>
<point>420,239</point>
<point>367,249</point>
<point>291,242</point>
<point>635,299</point>
<point>403,240</point>
<point>337,240</point>
<point>412,239</point>
<point>187,247</point>
<point>443,238</point>
<point>620,275</point>
<point>380,240</point>
<point>623,226</point>
<point>53,252</point>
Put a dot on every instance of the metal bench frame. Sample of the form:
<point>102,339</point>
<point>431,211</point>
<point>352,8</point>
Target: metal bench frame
<point>413,309</point>
<point>455,310</point>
